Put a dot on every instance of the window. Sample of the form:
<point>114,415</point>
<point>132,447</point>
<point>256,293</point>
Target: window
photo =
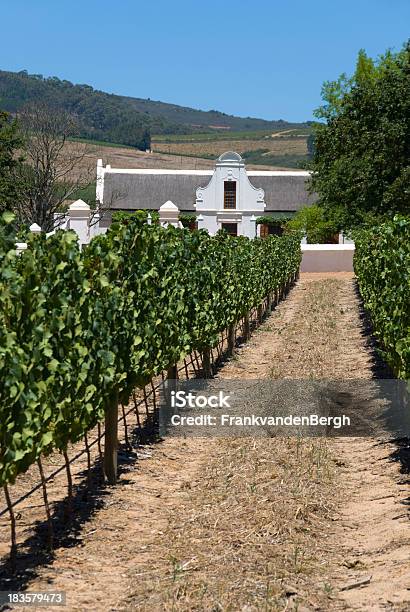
<point>230,228</point>
<point>268,229</point>
<point>230,194</point>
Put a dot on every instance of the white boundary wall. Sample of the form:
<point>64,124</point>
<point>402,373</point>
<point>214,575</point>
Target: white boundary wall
<point>327,257</point>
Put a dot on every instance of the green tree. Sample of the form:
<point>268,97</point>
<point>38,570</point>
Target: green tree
<point>362,146</point>
<point>9,159</point>
<point>310,220</point>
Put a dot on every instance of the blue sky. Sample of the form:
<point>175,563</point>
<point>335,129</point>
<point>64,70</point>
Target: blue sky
<point>260,58</point>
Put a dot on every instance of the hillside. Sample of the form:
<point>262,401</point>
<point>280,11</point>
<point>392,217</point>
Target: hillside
<point>200,121</point>
<point>120,119</point>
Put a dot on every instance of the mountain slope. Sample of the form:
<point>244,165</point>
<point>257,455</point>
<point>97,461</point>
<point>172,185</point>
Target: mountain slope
<point>199,120</point>
<point>113,118</point>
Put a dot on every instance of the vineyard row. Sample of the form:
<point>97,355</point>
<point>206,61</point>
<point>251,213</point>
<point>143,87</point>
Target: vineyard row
<point>80,330</point>
<point>382,266</point>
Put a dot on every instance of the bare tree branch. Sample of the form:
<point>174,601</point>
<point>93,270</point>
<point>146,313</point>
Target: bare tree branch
<point>103,209</point>
<point>55,168</point>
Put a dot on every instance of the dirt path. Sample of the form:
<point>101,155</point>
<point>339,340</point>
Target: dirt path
<point>255,524</point>
<point>372,533</point>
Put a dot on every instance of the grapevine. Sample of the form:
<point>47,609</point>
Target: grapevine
<point>80,330</point>
<point>382,266</point>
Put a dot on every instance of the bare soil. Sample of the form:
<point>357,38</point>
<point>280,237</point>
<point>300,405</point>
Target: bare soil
<point>248,524</point>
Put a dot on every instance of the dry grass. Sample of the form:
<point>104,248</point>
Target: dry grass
<point>121,157</point>
<point>252,536</point>
<point>309,343</point>
<point>325,344</point>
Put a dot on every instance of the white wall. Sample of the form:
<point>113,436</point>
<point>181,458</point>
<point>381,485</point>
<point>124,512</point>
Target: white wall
<point>327,257</point>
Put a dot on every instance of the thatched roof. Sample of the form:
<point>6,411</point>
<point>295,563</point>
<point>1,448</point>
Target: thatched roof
<point>149,189</point>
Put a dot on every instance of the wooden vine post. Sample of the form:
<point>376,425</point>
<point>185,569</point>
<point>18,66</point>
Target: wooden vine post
<point>13,547</point>
<point>50,532</point>
<point>69,508</point>
<point>124,418</point>
<point>231,338</point>
<point>260,313</point>
<point>246,327</point>
<point>111,440</point>
<point>171,381</point>
<point>206,363</point>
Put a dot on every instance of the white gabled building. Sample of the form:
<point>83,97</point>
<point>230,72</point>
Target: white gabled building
<point>228,197</point>
<point>229,200</point>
